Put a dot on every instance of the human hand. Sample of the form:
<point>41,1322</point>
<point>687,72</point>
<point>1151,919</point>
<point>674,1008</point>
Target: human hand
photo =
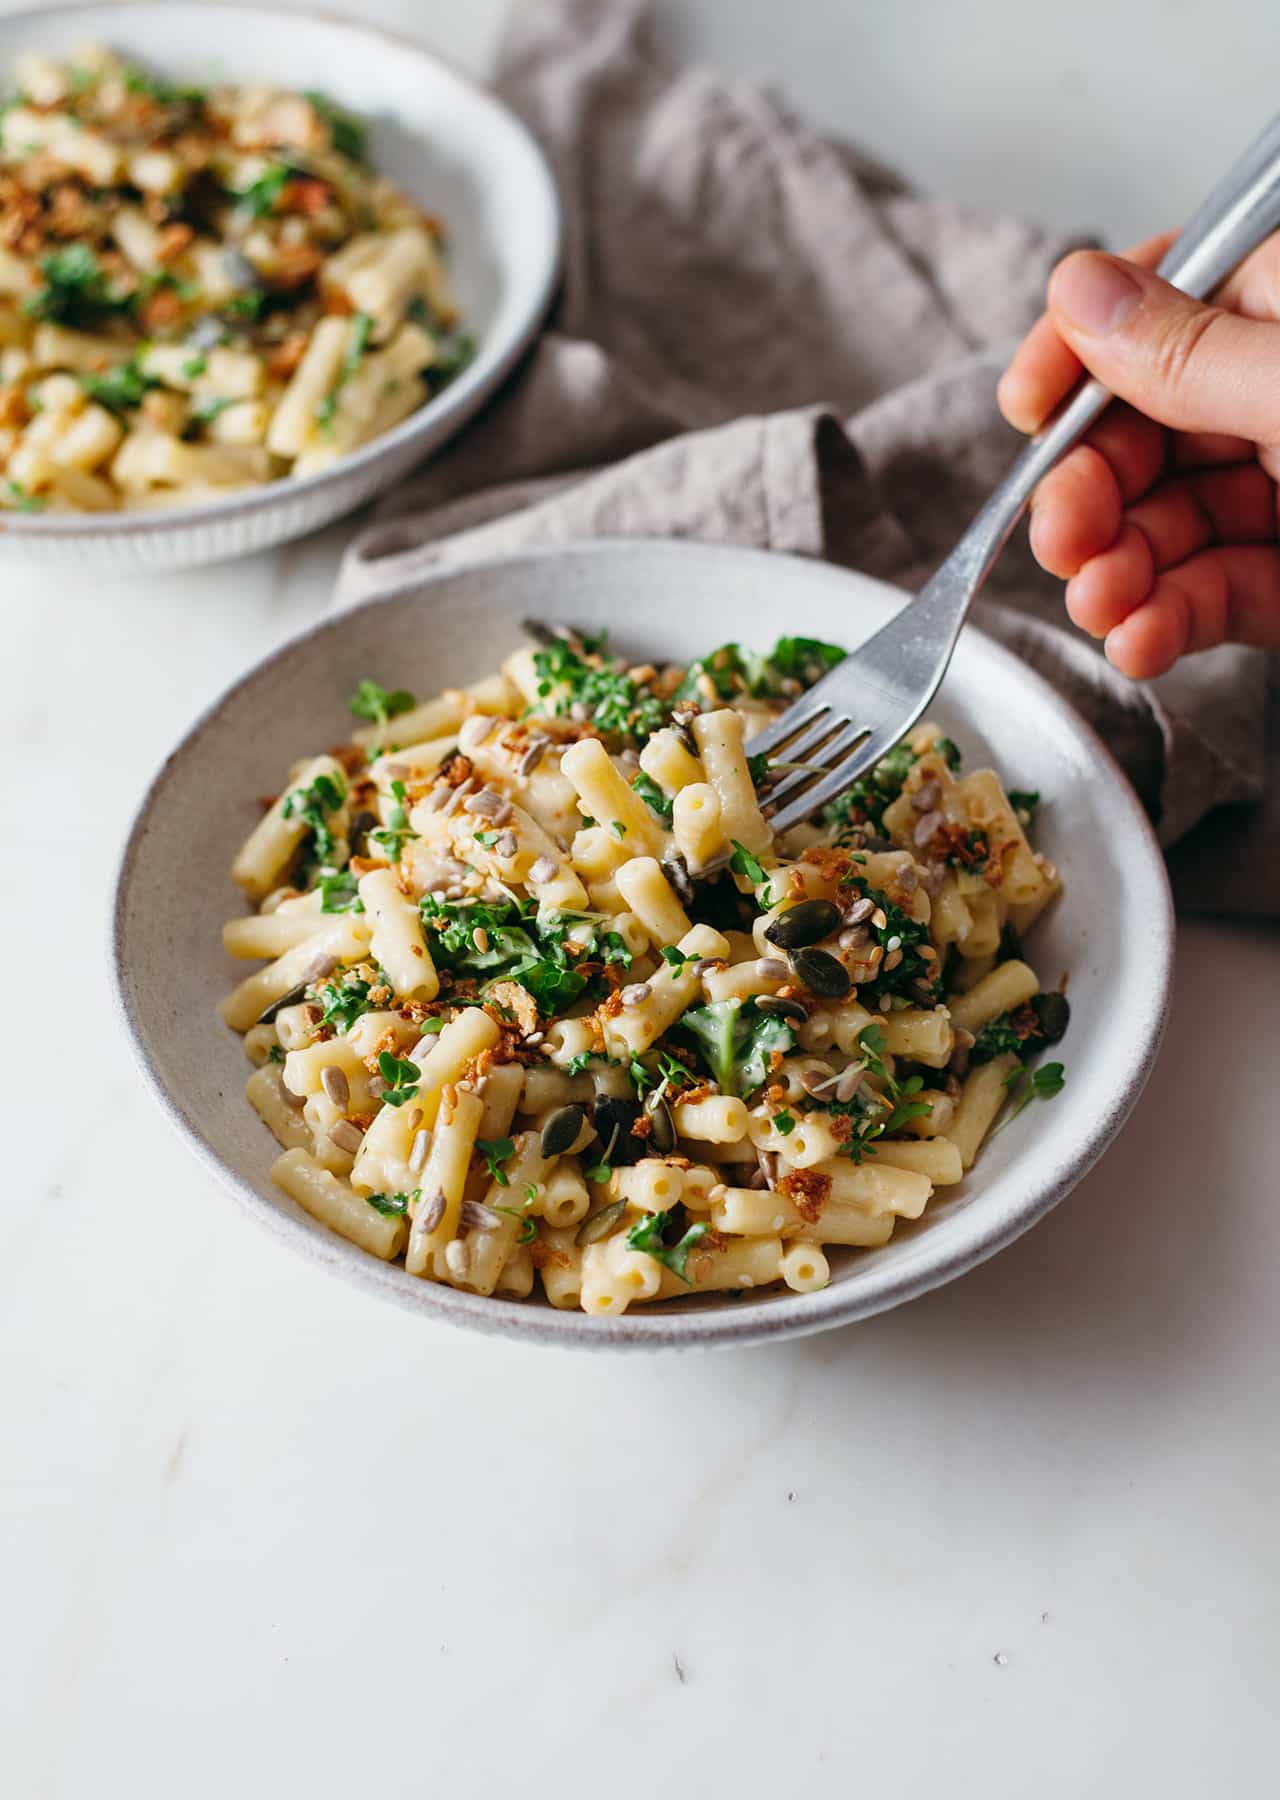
<point>1164,520</point>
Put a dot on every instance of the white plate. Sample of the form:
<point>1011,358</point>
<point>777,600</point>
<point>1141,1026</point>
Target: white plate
<point>450,145</point>
<point>1111,930</point>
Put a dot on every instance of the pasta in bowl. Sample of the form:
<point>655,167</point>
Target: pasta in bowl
<point>201,289</point>
<point>547,1005</point>
<point>347,133</point>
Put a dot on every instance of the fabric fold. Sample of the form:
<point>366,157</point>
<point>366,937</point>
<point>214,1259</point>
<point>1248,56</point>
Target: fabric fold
<point>764,338</point>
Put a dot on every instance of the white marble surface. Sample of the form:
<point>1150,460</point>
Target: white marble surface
<point>260,1536</point>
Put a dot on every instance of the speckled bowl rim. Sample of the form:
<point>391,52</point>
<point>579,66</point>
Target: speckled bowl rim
<point>782,1315</point>
<point>453,406</point>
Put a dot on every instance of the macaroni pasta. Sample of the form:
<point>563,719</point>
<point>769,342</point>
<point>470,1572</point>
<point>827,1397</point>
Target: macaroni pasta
<point>545,1003</point>
<point>200,289</point>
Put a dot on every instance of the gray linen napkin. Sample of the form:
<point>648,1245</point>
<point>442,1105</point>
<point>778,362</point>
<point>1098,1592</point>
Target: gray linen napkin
<point>763,338</point>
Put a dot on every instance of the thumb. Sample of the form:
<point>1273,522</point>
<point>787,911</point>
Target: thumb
<point>1188,366</point>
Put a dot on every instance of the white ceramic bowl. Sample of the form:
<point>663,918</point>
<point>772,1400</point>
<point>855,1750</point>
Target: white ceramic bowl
<point>1112,928</point>
<point>444,140</point>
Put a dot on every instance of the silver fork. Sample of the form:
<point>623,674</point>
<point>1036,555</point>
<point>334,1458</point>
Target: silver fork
<point>861,708</point>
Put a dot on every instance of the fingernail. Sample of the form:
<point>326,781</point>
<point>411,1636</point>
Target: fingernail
<point>1096,293</point>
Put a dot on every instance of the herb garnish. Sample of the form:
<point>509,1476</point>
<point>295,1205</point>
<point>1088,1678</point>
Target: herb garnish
<point>373,702</point>
<point>737,1042</point>
<point>310,804</point>
<point>338,893</point>
<point>396,833</point>
<point>393,1206</point>
<point>658,803</point>
<point>401,1076</point>
<point>1026,1085</point>
<point>649,1235</point>
<point>495,1152</point>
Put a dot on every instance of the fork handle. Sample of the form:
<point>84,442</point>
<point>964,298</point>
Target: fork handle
<point>1241,211</point>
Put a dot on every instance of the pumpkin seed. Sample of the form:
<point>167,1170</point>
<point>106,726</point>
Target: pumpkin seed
<point>562,1129</point>
<point>1053,1010</point>
<point>599,1224</point>
<point>803,924</point>
<point>613,1118</point>
<point>292,998</point>
<point>676,870</point>
<point>663,1135</point>
<point>821,973</point>
<point>781,1008</point>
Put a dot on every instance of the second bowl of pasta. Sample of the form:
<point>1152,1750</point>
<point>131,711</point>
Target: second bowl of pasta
<point>240,293</point>
<point>538,1023</point>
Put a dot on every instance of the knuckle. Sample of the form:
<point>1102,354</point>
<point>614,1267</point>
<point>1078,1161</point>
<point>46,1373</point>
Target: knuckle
<point>1181,346</point>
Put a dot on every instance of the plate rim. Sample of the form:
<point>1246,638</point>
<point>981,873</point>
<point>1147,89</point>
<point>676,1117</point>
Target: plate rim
<point>783,1316</point>
<point>449,409</point>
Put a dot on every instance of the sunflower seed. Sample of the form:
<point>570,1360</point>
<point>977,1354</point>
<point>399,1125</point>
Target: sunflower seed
<point>543,870</point>
<point>473,731</point>
<point>908,880</point>
<point>855,938</point>
<point>635,993</point>
<point>429,1216</point>
<point>296,1101</point>
<point>814,1080</point>
<point>537,749</point>
<point>506,845</point>
<point>420,1150</point>
<point>456,797</point>
<point>377,1086</point>
<point>457,1259</point>
<point>480,938</point>
<point>804,924</point>
<point>486,803</point>
<point>561,1130</point>
<point>346,1136</point>
<point>860,910</point>
<point>437,797</point>
<point>335,1085</point>
<point>599,1224</point>
<point>926,796</point>
<point>772,968</point>
<point>925,828</point>
<point>848,1085</point>
<point>474,1215</point>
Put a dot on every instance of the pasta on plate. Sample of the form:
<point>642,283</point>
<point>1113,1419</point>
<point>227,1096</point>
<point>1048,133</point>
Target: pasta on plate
<point>201,290</point>
<point>544,1002</point>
